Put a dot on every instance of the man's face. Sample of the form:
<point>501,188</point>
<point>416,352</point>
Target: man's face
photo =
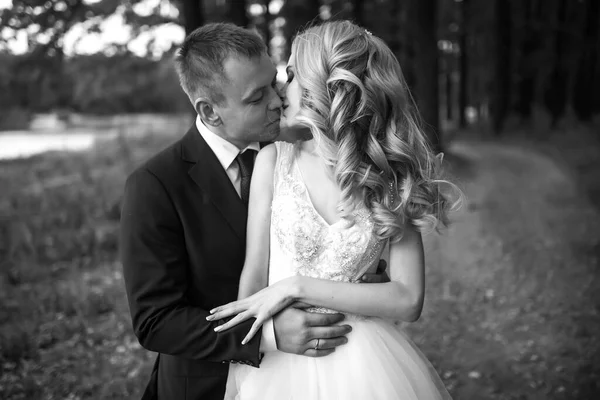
<point>252,106</point>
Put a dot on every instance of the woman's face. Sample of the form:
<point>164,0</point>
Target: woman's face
<point>292,95</point>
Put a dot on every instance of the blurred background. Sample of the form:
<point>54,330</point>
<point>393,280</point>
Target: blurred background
<point>509,91</point>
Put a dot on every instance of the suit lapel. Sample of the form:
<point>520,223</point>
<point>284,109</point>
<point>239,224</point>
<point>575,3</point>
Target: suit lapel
<point>209,174</point>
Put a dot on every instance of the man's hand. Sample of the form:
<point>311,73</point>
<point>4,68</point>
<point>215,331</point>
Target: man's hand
<point>380,276</point>
<point>299,332</point>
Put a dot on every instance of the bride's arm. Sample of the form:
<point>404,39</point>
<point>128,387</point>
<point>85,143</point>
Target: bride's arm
<point>402,298</point>
<point>256,265</point>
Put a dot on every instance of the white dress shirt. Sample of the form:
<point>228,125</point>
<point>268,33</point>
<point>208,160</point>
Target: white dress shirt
<point>226,153</point>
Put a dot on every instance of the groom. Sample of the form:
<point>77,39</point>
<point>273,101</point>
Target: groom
<point>183,225</point>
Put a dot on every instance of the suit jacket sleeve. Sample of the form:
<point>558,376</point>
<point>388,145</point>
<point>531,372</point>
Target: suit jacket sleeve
<point>154,258</point>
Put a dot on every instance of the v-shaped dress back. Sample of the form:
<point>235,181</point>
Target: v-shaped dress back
<point>379,362</point>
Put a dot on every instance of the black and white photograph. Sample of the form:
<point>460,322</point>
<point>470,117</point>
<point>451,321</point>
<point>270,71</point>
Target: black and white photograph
<point>300,199</point>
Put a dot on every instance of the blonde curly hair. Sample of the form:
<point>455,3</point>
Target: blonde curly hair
<point>366,127</point>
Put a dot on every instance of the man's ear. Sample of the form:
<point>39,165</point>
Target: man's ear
<point>207,112</point>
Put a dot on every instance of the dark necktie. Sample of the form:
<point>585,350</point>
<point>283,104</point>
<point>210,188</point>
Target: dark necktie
<point>245,161</point>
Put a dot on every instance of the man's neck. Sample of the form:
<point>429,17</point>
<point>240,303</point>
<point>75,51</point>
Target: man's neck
<point>218,131</point>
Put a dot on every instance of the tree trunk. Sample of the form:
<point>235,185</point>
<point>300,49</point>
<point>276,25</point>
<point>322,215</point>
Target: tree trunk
<point>298,14</point>
<point>596,84</point>
<point>556,87</point>
<point>406,47</point>
<point>586,79</point>
<point>448,95</point>
<point>529,44</point>
<point>395,38</point>
<point>193,15</point>
<point>358,12</point>
<point>502,67</point>
<point>236,12</point>
<point>464,87</point>
<point>267,25</point>
<point>424,15</point>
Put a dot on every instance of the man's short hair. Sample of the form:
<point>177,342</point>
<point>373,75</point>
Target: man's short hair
<point>199,60</point>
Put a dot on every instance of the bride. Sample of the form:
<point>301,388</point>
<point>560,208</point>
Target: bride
<point>322,213</point>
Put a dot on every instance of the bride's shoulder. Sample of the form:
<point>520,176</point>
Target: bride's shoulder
<point>280,151</point>
<point>276,156</point>
<point>267,156</point>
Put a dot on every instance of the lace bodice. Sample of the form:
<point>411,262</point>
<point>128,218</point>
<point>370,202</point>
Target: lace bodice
<point>303,243</point>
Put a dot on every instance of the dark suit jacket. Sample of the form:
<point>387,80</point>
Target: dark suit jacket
<point>183,235</point>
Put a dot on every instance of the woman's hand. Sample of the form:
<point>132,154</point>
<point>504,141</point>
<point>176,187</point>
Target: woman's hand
<point>262,305</point>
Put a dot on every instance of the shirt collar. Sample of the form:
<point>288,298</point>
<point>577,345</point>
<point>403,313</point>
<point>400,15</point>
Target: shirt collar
<point>225,151</point>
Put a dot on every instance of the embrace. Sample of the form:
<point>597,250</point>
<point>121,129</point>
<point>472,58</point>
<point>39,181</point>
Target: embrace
<point>254,266</point>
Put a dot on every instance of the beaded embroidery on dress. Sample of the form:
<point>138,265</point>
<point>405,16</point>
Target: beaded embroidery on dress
<point>379,362</point>
<point>342,251</point>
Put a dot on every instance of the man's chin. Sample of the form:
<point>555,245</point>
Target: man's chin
<point>271,134</point>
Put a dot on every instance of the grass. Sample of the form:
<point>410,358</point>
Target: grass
<point>65,330</point>
<point>511,311</point>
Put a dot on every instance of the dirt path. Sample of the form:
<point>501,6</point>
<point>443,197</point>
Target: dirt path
<point>513,306</point>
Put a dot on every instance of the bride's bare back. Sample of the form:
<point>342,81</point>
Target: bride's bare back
<point>324,193</point>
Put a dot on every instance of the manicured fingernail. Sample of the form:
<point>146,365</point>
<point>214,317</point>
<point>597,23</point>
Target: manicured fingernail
<point>244,341</point>
<point>213,311</point>
<point>218,328</point>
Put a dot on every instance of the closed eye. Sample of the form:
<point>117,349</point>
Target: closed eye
<point>263,93</point>
<point>258,100</point>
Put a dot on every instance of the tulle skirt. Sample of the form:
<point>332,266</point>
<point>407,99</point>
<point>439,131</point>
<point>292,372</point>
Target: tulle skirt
<point>379,362</point>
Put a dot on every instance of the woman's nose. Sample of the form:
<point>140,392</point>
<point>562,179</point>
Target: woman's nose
<point>277,100</point>
<point>281,88</point>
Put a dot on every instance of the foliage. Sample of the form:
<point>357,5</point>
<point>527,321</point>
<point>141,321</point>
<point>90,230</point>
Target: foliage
<point>46,22</point>
<point>97,83</point>
<point>124,83</point>
<point>518,55</point>
<point>65,330</point>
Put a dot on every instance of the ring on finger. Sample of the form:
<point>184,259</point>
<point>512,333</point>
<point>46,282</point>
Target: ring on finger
<point>317,345</point>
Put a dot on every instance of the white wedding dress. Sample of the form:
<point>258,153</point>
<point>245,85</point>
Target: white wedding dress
<point>379,361</point>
